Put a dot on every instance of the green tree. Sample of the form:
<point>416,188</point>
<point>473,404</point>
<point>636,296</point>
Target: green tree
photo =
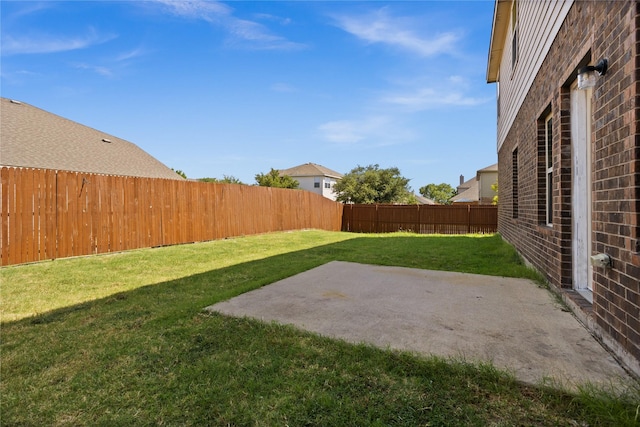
<point>179,172</point>
<point>371,184</point>
<point>273,179</point>
<point>411,199</point>
<point>226,179</point>
<point>494,187</point>
<point>439,193</point>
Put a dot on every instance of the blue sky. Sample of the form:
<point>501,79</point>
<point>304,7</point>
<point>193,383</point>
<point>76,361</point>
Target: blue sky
<point>236,88</point>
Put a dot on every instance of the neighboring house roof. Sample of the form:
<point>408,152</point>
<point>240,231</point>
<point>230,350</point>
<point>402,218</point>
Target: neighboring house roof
<point>464,185</point>
<point>310,169</point>
<point>492,168</point>
<point>470,194</point>
<point>423,200</point>
<point>469,191</point>
<point>35,138</point>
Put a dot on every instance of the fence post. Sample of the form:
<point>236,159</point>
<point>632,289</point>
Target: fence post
<point>468,219</point>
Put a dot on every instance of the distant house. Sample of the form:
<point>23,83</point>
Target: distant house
<point>467,191</point>
<point>478,189</point>
<point>486,178</point>
<point>568,141</point>
<point>34,138</point>
<point>424,200</point>
<point>314,178</point>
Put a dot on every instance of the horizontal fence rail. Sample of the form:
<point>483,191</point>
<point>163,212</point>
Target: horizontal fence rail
<point>48,214</point>
<point>423,219</point>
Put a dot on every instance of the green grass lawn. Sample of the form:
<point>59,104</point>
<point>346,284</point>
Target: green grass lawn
<point>122,339</point>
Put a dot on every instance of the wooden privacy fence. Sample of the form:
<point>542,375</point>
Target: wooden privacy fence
<point>423,219</point>
<point>48,214</point>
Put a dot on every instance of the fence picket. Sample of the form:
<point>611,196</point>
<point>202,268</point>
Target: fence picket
<point>48,214</point>
<point>423,219</point>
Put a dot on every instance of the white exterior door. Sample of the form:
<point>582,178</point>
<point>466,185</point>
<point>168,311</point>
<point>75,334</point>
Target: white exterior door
<point>581,191</point>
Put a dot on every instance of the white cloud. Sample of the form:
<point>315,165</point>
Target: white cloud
<point>282,87</point>
<point>374,131</point>
<point>380,27</point>
<point>115,65</point>
<point>28,8</point>
<point>254,35</point>
<point>47,43</point>
<point>17,77</point>
<point>273,18</point>
<point>459,80</point>
<point>210,11</point>
<point>342,131</point>
<point>131,54</point>
<point>242,33</point>
<point>103,71</point>
<point>425,98</point>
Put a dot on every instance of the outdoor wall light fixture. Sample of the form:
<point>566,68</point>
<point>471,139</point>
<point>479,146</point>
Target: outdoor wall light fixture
<point>587,75</point>
<point>601,260</point>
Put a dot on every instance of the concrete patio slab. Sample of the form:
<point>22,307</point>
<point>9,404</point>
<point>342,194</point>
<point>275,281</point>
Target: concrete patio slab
<point>511,323</point>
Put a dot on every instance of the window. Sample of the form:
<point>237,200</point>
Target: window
<point>316,185</point>
<point>514,34</point>
<point>548,139</point>
<point>327,185</point>
<point>514,183</point>
<point>545,167</point>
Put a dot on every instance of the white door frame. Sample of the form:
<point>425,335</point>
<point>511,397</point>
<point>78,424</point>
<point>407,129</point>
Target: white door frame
<point>582,270</point>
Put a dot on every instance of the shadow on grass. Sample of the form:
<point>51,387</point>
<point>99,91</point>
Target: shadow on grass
<point>470,254</point>
<point>151,356</point>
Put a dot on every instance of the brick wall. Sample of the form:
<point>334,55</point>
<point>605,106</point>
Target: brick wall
<point>616,196</point>
<point>591,31</point>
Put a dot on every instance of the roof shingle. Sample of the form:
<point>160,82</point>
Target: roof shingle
<point>310,169</point>
<point>34,138</point>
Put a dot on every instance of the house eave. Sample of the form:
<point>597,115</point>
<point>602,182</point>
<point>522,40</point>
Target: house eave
<point>499,31</point>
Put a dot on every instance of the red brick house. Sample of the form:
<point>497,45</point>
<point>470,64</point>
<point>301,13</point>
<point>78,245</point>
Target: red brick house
<point>569,154</point>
